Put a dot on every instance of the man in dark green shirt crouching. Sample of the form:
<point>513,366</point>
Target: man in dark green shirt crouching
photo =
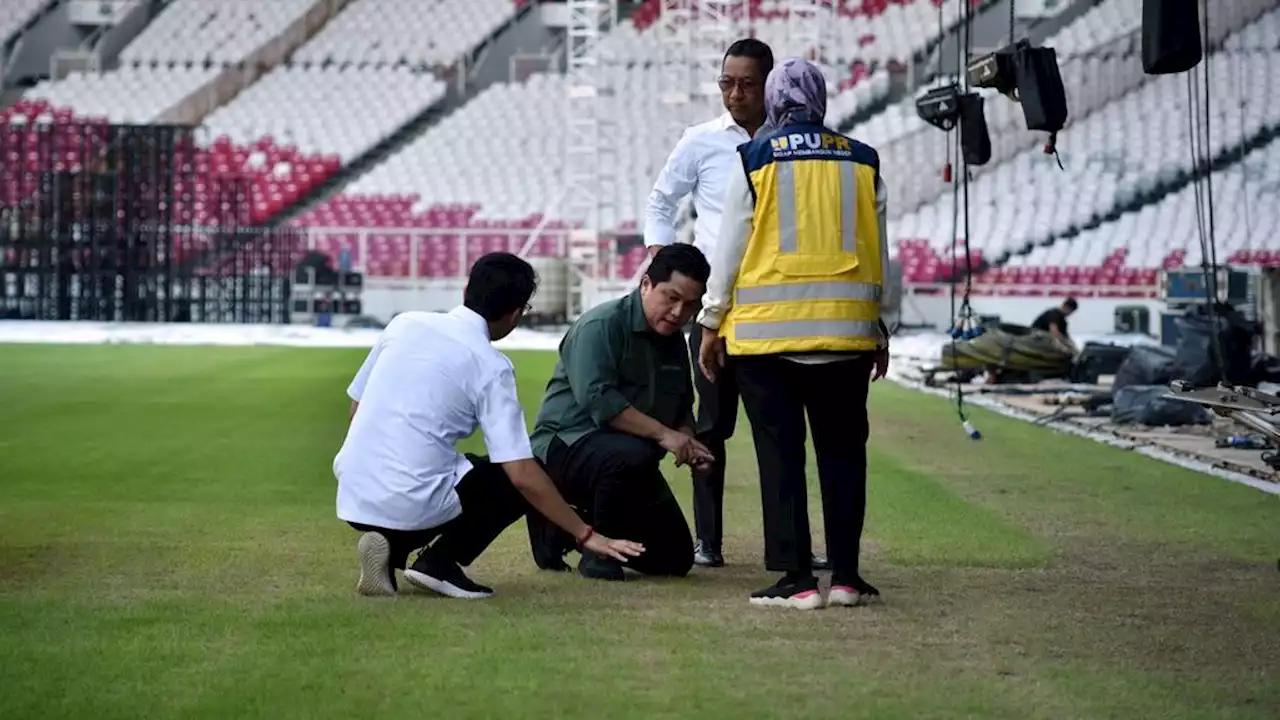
<point>620,399</point>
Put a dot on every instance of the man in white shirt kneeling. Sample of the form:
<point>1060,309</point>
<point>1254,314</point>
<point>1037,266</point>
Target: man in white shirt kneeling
<point>429,381</point>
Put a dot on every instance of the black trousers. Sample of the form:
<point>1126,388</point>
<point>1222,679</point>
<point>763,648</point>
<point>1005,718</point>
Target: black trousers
<point>777,393</point>
<point>615,480</point>
<point>717,416</point>
<point>490,503</point>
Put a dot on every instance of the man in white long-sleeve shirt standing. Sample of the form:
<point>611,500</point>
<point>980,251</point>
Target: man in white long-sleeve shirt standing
<point>700,165</point>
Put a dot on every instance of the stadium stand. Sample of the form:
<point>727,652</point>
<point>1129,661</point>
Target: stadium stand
<point>325,110</point>
<point>1101,65</point>
<point>487,175</point>
<point>1116,160</point>
<point>216,32</point>
<point>133,94</point>
<point>1164,233</point>
<point>416,33</point>
<point>495,163</point>
<point>14,14</point>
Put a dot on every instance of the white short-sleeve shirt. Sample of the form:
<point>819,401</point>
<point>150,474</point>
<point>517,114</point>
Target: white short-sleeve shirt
<point>429,381</point>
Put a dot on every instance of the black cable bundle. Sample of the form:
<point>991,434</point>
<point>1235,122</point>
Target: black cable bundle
<point>1201,164</point>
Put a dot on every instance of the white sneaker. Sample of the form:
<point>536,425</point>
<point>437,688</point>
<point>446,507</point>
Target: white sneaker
<point>374,552</point>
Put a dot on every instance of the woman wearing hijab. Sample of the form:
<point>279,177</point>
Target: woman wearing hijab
<point>794,297</point>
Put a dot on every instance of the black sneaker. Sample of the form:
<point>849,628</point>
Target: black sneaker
<point>852,593</point>
<point>377,578</point>
<point>707,555</point>
<point>798,593</point>
<point>437,574</point>
<point>598,567</point>
<point>549,543</point>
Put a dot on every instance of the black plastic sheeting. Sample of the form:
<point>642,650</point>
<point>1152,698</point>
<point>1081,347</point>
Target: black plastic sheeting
<point>1146,405</point>
<point>1146,365</point>
<point>1195,360</point>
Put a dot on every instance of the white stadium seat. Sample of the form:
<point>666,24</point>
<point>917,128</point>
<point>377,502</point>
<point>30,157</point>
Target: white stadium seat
<point>219,32</point>
<point>326,110</point>
<point>418,33</point>
<point>16,13</point>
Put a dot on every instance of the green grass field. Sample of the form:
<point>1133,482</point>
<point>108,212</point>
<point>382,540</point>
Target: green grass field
<point>168,548</point>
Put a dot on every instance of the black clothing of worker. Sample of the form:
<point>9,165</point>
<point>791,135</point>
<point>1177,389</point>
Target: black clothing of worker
<point>1052,316</point>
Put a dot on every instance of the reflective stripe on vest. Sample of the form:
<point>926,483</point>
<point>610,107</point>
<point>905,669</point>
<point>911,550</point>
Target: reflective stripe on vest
<point>789,329</point>
<point>793,292</point>
<point>785,177</point>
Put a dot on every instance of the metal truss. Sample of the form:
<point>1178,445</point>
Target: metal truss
<point>675,29</point>
<point>590,164</point>
<point>1247,406</point>
<point>719,24</point>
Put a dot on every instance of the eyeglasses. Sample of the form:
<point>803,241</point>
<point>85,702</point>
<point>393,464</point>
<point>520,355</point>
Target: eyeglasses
<point>746,85</point>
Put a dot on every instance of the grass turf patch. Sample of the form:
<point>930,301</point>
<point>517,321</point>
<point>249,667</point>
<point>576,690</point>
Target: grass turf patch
<point>168,548</point>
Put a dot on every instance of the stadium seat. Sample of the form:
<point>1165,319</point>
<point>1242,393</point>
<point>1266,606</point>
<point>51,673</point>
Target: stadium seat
<point>498,160</point>
<point>1113,158</point>
<point>14,14</point>
<point>414,33</point>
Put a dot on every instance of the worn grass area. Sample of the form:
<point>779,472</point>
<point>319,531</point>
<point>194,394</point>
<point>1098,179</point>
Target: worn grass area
<point>168,549</point>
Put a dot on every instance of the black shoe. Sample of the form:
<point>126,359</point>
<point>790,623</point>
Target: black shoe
<point>598,567</point>
<point>438,574</point>
<point>820,562</point>
<point>549,543</point>
<point>798,593</point>
<point>852,592</point>
<point>865,588</point>
<point>707,555</point>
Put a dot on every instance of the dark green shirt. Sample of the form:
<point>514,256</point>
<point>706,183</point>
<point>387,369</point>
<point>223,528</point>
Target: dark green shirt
<point>611,360</point>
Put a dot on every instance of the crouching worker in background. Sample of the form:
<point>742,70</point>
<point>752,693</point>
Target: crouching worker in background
<point>620,399</point>
<point>430,380</point>
<point>795,301</point>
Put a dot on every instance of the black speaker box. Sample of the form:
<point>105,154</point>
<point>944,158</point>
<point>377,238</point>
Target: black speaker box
<point>975,141</point>
<point>1170,36</point>
<point>1040,90</point>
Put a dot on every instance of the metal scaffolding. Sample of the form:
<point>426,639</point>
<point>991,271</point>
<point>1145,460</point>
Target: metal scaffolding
<point>590,163</point>
<point>719,24</point>
<point>675,31</point>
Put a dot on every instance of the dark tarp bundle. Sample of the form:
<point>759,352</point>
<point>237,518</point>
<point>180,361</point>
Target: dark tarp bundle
<point>1195,356</point>
<point>1145,365</point>
<point>1146,405</point>
<point>1010,347</point>
<point>1265,368</point>
<point>1098,359</point>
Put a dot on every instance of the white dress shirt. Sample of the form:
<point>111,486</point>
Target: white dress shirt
<point>430,380</point>
<point>701,164</point>
<point>735,230</point>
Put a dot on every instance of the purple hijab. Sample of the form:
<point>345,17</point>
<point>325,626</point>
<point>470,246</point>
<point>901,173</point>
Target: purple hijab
<point>794,93</point>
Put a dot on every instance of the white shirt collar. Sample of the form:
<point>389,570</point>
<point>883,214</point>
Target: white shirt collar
<point>727,122</point>
<point>473,318</point>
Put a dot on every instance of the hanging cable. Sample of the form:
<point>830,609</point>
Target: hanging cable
<point>1198,129</point>
<point>962,318</point>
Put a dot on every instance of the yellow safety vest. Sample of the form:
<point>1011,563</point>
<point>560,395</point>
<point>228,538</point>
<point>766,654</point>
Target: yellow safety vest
<point>811,277</point>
